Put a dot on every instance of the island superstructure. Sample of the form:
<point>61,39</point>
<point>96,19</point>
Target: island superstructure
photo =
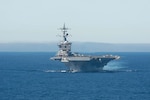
<point>79,62</point>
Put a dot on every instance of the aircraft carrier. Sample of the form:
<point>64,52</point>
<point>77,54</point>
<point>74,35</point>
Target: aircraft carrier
<point>78,62</point>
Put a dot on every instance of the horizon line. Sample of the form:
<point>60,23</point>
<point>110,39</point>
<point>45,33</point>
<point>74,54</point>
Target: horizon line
<point>72,42</point>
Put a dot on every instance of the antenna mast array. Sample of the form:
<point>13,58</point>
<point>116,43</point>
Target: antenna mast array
<point>65,34</point>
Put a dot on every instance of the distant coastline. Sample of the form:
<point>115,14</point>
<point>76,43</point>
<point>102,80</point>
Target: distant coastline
<point>76,47</point>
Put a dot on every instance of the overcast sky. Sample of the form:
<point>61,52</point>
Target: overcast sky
<point>108,21</point>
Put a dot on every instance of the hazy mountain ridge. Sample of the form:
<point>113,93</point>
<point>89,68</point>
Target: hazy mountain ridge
<point>76,47</point>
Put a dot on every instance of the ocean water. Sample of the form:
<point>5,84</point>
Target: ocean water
<point>32,76</point>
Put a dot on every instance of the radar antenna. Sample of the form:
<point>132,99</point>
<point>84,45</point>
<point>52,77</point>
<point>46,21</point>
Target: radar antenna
<point>65,34</point>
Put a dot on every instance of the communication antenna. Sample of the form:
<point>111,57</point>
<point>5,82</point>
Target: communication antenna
<point>65,34</point>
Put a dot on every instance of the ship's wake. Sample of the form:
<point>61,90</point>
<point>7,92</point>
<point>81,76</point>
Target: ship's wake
<point>56,71</point>
<point>98,71</point>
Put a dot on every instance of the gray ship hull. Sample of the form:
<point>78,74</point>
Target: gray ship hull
<point>87,66</point>
<point>86,63</point>
<point>84,66</point>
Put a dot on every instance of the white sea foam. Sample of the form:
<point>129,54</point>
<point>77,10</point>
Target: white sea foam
<point>49,71</point>
<point>114,66</point>
<point>63,71</point>
<point>55,71</point>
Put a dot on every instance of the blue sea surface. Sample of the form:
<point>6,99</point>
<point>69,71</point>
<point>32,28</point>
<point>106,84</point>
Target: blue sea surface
<point>32,76</point>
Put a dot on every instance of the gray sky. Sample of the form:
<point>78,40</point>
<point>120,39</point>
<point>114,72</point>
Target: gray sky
<point>109,21</point>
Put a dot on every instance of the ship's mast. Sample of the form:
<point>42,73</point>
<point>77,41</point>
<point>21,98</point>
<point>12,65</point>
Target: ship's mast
<point>65,45</point>
<point>65,34</point>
